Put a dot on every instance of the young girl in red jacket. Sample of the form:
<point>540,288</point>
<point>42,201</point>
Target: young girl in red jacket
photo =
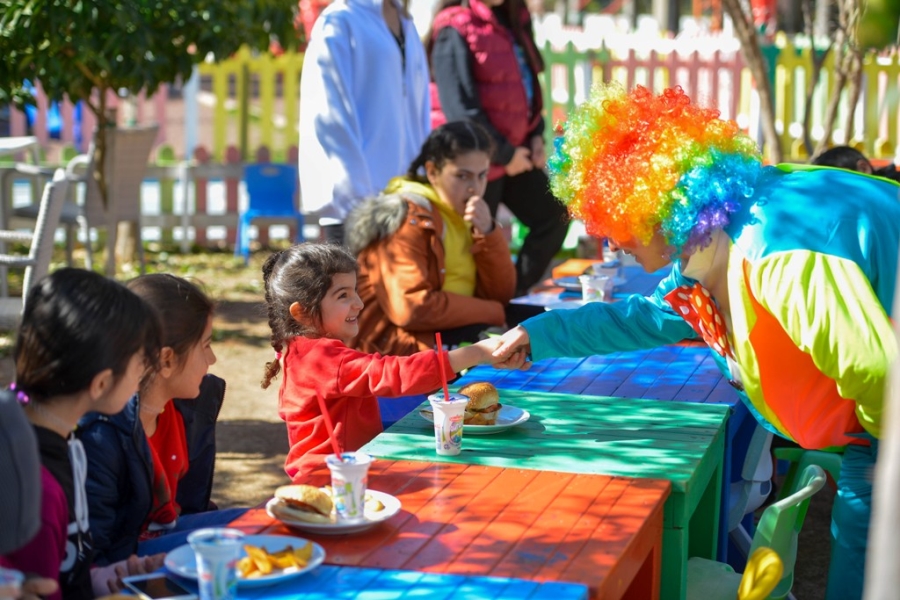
<point>313,314</point>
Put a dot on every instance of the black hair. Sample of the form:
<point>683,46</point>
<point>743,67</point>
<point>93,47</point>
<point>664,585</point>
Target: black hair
<point>182,307</point>
<point>302,273</point>
<point>844,157</point>
<point>76,324</point>
<point>447,142</point>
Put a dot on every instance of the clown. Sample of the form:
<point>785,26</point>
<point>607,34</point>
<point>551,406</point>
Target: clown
<point>788,273</point>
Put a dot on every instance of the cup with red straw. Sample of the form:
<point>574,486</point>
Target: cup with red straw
<point>448,411</point>
<point>439,348</point>
<point>349,476</point>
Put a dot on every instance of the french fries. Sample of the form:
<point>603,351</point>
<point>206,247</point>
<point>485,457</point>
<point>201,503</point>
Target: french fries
<point>260,561</point>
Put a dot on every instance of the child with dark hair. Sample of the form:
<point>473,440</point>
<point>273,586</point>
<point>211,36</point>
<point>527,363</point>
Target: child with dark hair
<point>847,157</point>
<point>485,64</point>
<point>151,466</point>
<point>314,315</point>
<point>83,345</point>
<point>430,256</point>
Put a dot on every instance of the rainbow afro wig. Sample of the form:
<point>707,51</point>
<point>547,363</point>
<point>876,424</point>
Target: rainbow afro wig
<point>631,164</point>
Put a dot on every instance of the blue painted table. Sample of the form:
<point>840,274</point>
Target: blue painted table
<point>330,582</point>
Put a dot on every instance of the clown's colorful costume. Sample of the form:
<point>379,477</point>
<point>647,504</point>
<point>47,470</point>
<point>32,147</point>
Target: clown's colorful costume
<point>809,258</point>
<point>814,369</point>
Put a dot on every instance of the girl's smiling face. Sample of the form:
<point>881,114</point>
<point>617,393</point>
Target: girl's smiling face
<point>340,308</point>
<point>460,178</point>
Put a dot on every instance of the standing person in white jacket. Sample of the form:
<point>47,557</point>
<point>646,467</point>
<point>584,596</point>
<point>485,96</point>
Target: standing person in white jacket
<point>364,106</point>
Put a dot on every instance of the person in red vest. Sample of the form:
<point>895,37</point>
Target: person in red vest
<point>485,65</point>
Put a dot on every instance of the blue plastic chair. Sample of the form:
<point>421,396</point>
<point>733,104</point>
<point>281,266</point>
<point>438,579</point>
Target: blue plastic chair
<point>271,189</point>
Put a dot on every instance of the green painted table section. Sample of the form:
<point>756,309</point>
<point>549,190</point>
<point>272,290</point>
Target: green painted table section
<point>681,442</point>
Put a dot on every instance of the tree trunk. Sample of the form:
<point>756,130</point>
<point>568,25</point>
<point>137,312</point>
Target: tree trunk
<point>746,32</point>
<point>817,59</point>
<point>126,242</point>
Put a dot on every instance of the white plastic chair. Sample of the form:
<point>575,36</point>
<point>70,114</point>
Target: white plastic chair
<point>127,155</point>
<point>778,529</point>
<point>37,262</point>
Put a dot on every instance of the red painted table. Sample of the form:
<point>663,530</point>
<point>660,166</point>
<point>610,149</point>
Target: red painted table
<point>605,532</point>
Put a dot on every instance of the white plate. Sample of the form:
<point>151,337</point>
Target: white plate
<point>573,284</point>
<point>391,508</point>
<point>564,304</point>
<point>509,416</point>
<point>182,561</point>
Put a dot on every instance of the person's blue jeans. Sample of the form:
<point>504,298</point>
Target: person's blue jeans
<point>184,526</point>
<point>850,522</point>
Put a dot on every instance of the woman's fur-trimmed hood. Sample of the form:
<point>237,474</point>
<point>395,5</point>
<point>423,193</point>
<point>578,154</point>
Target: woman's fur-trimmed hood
<point>378,218</point>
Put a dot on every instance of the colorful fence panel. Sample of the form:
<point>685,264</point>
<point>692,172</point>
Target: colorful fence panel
<point>251,105</point>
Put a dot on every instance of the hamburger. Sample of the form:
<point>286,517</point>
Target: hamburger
<point>484,403</point>
<point>303,503</point>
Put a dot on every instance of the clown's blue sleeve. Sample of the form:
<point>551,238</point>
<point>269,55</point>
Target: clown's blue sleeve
<point>600,328</point>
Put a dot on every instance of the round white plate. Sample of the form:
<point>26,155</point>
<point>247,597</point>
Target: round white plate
<point>564,304</point>
<point>391,508</point>
<point>182,561</point>
<point>573,284</point>
<point>509,416</point>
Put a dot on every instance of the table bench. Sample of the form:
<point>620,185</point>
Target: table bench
<point>329,582</point>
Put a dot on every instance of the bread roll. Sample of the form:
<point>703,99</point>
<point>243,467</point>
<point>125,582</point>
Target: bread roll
<point>303,503</point>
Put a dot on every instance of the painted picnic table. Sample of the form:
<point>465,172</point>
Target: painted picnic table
<point>329,582</point>
<point>684,372</point>
<point>582,434</point>
<point>492,522</point>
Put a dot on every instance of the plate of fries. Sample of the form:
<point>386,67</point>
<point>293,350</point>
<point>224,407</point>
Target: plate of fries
<point>379,507</point>
<point>265,559</point>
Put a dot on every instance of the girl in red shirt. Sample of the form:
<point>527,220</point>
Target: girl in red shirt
<point>314,316</point>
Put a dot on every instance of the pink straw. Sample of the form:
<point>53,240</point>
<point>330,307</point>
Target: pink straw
<point>439,348</point>
<point>330,427</point>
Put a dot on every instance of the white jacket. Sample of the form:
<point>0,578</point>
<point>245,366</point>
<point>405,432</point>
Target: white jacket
<point>362,118</point>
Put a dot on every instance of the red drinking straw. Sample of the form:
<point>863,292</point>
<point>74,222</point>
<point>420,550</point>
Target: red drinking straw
<point>439,348</point>
<point>330,427</point>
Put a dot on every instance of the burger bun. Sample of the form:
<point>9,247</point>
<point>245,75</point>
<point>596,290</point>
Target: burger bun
<point>302,502</point>
<point>484,403</point>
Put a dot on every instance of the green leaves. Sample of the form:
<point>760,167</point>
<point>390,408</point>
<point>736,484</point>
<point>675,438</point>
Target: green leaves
<point>878,25</point>
<point>73,47</point>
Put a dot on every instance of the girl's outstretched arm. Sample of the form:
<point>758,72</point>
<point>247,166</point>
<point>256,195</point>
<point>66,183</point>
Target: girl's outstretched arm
<point>477,354</point>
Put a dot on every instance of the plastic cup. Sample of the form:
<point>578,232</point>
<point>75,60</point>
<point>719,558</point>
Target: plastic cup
<point>349,480</point>
<point>596,288</point>
<point>10,584</point>
<point>217,550</point>
<point>610,255</point>
<point>608,269</point>
<point>448,422</point>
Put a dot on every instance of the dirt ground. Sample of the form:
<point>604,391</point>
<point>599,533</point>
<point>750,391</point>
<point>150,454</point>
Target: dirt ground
<point>251,439</point>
